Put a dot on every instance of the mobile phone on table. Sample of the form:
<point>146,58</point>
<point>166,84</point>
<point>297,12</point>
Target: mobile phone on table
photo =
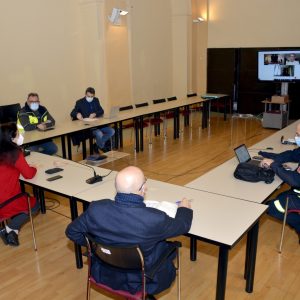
<point>54,178</point>
<point>53,170</point>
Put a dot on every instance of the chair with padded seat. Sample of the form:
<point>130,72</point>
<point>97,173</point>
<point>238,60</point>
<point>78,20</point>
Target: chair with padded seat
<point>9,113</point>
<point>286,212</point>
<point>127,258</point>
<point>14,198</point>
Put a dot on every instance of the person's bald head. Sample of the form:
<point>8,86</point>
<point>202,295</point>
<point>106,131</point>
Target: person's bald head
<point>130,180</point>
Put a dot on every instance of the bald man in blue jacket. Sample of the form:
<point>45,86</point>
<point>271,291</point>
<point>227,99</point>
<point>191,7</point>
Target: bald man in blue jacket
<point>127,221</point>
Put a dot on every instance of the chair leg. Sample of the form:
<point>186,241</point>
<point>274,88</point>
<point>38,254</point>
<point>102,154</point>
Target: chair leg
<point>32,225</point>
<point>88,290</point>
<point>178,275</point>
<point>283,224</point>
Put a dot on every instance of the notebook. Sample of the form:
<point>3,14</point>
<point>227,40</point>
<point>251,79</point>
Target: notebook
<point>169,208</point>
<point>243,155</point>
<point>113,112</point>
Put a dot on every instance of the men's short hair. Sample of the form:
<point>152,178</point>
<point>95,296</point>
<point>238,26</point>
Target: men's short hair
<point>32,95</point>
<point>90,90</point>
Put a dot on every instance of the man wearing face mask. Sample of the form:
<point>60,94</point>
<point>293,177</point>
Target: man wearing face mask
<point>292,178</point>
<point>127,221</point>
<point>35,116</point>
<point>89,107</point>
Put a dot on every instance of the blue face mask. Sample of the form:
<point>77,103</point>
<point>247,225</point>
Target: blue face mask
<point>297,140</point>
<point>34,106</point>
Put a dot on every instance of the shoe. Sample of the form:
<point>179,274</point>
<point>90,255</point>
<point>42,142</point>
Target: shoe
<point>150,297</point>
<point>13,239</point>
<point>3,236</point>
<point>95,148</point>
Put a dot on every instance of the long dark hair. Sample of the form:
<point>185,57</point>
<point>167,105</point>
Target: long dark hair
<point>9,151</point>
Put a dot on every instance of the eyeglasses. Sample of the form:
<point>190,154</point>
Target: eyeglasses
<point>143,184</point>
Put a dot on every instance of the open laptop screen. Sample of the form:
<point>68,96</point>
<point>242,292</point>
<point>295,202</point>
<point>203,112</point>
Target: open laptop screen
<point>242,153</point>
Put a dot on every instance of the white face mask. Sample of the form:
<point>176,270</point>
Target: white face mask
<point>34,106</point>
<point>89,99</point>
<point>19,140</point>
<point>297,140</point>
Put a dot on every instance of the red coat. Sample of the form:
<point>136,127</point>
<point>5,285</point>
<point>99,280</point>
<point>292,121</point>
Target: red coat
<point>10,186</point>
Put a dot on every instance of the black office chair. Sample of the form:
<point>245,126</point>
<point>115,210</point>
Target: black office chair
<point>28,211</point>
<point>127,258</point>
<point>9,113</point>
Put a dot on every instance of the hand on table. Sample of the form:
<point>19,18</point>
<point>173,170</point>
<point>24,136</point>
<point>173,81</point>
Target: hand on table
<point>41,126</point>
<point>184,203</point>
<point>92,116</point>
<point>79,116</point>
<point>266,162</point>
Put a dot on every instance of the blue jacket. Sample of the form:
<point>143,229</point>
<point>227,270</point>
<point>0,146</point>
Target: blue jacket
<point>86,108</point>
<point>292,178</point>
<point>131,223</point>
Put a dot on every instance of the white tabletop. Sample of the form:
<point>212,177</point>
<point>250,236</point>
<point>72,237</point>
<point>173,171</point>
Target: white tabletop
<point>220,180</point>
<point>69,126</point>
<point>216,218</point>
<point>74,174</point>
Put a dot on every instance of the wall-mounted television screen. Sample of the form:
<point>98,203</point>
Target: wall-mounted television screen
<point>281,65</point>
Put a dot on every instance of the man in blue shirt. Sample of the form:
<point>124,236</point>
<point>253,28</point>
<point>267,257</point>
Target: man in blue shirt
<point>89,107</point>
<point>276,162</point>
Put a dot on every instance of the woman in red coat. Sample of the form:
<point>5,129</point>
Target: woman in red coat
<point>12,164</point>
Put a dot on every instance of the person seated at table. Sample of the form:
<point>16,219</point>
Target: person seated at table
<point>276,163</point>
<point>35,116</point>
<point>127,221</point>
<point>89,107</point>
<point>12,164</point>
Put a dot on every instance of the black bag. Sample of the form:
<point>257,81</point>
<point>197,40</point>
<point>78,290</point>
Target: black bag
<point>252,173</point>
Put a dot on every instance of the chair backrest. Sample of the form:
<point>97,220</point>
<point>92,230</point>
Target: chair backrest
<point>124,257</point>
<point>192,95</point>
<point>141,104</point>
<point>9,113</point>
<point>156,101</point>
<point>172,98</point>
<point>122,108</point>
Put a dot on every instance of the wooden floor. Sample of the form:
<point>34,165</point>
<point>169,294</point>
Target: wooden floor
<point>51,274</point>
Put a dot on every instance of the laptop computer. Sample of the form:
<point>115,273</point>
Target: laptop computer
<point>243,155</point>
<point>114,110</point>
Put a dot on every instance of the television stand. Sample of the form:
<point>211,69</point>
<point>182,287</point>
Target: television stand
<point>273,118</point>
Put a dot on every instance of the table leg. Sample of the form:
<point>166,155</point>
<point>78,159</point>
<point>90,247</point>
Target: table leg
<point>137,140</point>
<point>204,114</point>
<point>225,105</point>
<point>193,249</point>
<point>117,135</point>
<point>141,133</point>
<point>83,149</point>
<point>248,246</point>
<point>222,273</point>
<point>63,146</point>
<point>69,147</point>
<point>178,122</point>
<point>253,233</point>
<point>77,248</point>
<point>41,196</point>
<point>121,133</point>
<point>174,125</point>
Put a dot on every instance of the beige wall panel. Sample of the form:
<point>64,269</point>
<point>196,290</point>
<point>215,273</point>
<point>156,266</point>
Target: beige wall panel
<point>255,23</point>
<point>40,51</point>
<point>151,54</point>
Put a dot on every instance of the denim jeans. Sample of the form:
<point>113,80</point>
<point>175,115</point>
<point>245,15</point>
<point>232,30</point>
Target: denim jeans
<point>102,135</point>
<point>47,148</point>
<point>17,221</point>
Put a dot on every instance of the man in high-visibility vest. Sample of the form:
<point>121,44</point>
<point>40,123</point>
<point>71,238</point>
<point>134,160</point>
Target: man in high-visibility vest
<point>35,116</point>
<point>276,162</point>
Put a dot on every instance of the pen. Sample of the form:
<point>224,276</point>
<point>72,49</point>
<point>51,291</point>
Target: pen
<point>190,200</point>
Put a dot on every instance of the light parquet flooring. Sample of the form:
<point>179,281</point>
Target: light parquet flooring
<point>51,273</point>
